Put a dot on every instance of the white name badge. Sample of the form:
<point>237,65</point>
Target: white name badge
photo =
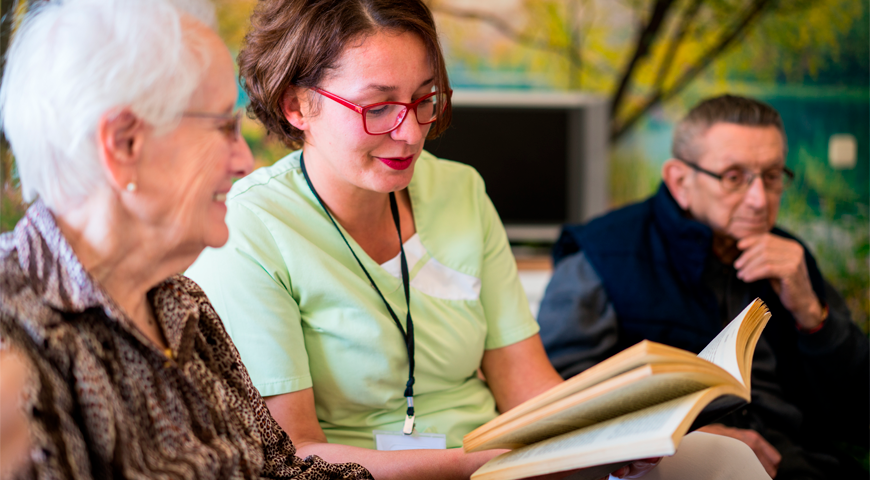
<point>387,440</point>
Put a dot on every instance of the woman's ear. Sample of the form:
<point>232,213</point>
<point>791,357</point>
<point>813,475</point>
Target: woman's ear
<point>676,175</point>
<point>120,138</point>
<point>295,107</point>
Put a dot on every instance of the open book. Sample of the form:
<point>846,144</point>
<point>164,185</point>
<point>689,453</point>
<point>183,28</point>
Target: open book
<point>636,404</point>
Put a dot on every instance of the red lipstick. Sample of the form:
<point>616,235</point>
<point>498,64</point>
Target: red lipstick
<point>397,163</point>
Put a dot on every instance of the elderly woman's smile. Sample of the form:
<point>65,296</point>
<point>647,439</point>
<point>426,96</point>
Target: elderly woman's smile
<point>185,175</point>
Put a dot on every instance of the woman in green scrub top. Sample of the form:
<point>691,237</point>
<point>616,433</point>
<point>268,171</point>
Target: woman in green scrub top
<point>363,275</point>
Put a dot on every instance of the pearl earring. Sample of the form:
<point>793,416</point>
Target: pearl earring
<point>131,187</point>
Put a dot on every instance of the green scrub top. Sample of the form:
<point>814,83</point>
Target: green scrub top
<point>302,314</point>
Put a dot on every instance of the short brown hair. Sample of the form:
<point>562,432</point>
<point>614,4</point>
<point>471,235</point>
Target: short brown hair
<point>294,43</point>
<point>722,109</point>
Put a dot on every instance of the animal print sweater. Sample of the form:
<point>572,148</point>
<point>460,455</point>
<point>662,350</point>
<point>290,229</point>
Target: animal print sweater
<point>105,402</point>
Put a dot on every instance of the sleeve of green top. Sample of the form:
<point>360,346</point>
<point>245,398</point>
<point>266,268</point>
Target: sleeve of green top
<point>247,282</point>
<point>508,317</point>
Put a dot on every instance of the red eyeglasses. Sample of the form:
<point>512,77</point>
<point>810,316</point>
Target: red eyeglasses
<point>384,117</point>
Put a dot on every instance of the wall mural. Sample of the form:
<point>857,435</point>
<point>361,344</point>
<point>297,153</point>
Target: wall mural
<point>653,59</point>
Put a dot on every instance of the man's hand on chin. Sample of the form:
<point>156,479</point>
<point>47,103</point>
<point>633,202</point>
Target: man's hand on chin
<point>766,453</point>
<point>781,260</point>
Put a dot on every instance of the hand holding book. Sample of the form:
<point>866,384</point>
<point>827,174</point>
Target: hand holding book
<point>637,404</point>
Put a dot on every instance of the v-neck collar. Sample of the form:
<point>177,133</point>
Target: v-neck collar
<point>63,284</point>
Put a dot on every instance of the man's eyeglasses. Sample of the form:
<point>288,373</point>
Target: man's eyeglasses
<point>384,117</point>
<point>232,127</point>
<point>738,179</point>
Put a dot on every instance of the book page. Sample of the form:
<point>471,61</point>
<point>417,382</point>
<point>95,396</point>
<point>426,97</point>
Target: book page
<point>643,353</point>
<point>635,390</point>
<point>649,430</point>
<point>723,350</point>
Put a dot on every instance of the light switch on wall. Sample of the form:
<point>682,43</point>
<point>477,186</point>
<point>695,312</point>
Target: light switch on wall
<point>842,151</point>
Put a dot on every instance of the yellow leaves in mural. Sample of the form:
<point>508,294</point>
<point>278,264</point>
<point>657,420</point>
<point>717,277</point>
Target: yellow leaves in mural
<point>640,52</point>
<point>797,43</point>
<point>233,20</point>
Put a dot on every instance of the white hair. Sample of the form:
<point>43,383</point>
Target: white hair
<point>73,61</point>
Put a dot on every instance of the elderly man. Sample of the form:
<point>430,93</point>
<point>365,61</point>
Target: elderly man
<point>678,266</point>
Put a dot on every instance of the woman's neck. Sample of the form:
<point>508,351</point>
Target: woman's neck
<point>364,214</point>
<point>126,258</point>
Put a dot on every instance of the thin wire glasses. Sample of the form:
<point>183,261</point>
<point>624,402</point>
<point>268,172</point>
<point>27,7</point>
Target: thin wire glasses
<point>738,179</point>
<point>384,117</point>
<point>232,128</point>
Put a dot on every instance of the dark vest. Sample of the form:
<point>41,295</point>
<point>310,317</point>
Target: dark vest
<point>650,257</point>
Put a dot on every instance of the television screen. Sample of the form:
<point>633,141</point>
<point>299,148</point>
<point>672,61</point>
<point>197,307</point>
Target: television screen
<point>521,155</point>
<point>541,154</point>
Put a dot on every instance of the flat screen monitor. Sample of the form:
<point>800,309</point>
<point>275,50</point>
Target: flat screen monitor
<point>541,154</point>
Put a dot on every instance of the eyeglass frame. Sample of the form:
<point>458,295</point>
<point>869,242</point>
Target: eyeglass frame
<point>235,117</point>
<point>752,176</point>
<point>362,109</point>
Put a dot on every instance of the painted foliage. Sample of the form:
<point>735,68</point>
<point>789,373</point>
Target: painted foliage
<point>655,58</point>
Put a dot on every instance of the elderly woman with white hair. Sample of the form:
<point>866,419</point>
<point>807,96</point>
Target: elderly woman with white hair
<point>120,116</point>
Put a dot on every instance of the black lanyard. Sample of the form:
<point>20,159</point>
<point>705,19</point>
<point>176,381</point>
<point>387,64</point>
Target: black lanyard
<point>408,428</point>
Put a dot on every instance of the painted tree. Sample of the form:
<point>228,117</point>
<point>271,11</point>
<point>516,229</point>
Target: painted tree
<point>644,52</point>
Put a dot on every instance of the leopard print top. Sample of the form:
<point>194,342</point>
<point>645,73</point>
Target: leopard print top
<point>105,402</point>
